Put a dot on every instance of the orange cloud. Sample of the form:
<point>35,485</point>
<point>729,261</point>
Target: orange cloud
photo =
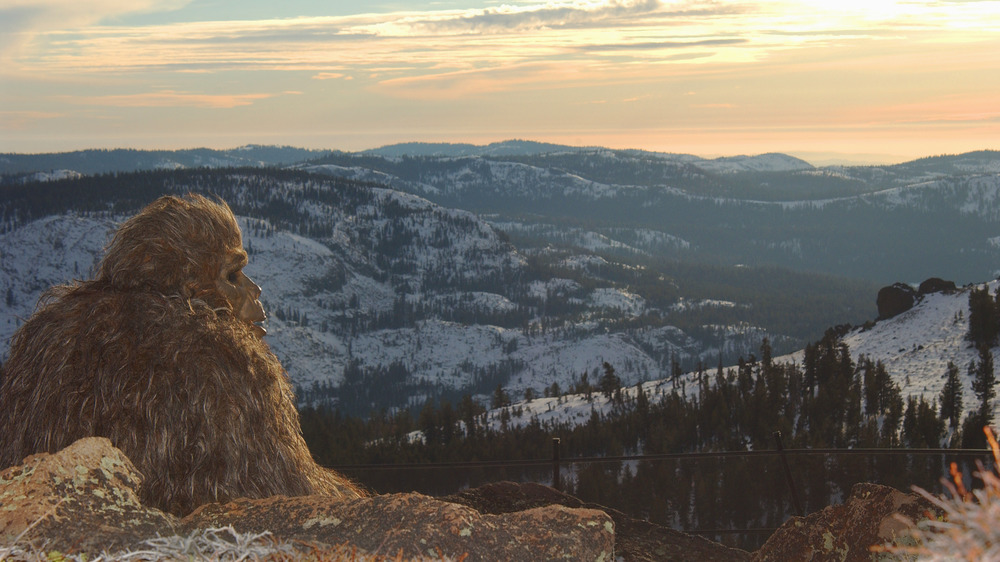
<point>465,83</point>
<point>168,98</point>
<point>332,76</point>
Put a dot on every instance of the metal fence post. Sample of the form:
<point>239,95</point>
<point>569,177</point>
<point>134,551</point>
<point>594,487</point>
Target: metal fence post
<point>555,464</point>
<point>788,475</point>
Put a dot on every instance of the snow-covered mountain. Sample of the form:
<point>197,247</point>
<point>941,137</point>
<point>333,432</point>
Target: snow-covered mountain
<point>929,217</point>
<point>379,298</point>
<point>910,221</point>
<point>393,278</point>
<point>771,162</point>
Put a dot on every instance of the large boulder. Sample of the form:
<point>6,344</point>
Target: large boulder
<point>413,526</point>
<point>635,540</point>
<point>936,285</point>
<point>873,515</point>
<point>894,300</point>
<point>81,499</point>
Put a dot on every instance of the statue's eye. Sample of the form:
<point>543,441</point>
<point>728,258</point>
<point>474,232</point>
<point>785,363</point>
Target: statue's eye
<point>233,276</point>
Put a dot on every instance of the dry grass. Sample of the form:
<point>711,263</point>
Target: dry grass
<point>223,544</point>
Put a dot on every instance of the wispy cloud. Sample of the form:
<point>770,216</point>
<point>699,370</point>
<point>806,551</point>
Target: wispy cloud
<point>476,82</point>
<point>663,45</point>
<point>22,20</point>
<point>332,76</point>
<point>512,18</point>
<point>169,98</point>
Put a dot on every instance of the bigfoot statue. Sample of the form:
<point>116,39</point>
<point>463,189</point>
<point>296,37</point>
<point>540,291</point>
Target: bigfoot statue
<point>162,354</point>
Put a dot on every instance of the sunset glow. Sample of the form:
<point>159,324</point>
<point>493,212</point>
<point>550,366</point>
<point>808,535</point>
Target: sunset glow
<point>881,80</point>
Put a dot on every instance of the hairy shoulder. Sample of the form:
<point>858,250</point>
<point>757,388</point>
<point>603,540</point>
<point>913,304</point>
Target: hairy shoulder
<point>89,324</point>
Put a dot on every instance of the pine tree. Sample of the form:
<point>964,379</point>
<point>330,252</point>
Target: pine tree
<point>951,397</point>
<point>447,420</point>
<point>984,383</point>
<point>468,409</point>
<point>500,398</point>
<point>766,361</point>
<point>879,386</point>
<point>675,371</point>
<point>921,426</point>
<point>983,327</point>
<point>609,381</point>
<point>642,406</point>
<point>428,422</point>
<point>585,386</point>
<point>972,431</point>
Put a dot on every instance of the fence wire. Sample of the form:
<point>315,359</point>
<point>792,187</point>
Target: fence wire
<point>662,456</point>
<point>558,464</point>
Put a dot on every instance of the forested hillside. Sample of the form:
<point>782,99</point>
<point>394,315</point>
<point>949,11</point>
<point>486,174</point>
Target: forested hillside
<point>829,401</point>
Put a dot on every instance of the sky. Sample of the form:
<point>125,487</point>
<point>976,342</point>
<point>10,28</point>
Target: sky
<point>863,81</point>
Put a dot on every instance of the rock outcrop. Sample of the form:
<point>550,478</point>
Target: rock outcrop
<point>936,285</point>
<point>873,515</point>
<point>894,300</point>
<point>83,500</point>
<point>635,540</point>
<point>416,526</point>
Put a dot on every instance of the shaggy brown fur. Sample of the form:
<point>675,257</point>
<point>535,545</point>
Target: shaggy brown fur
<point>150,355</point>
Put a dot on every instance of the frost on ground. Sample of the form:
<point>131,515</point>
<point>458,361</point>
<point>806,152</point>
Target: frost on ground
<point>223,544</point>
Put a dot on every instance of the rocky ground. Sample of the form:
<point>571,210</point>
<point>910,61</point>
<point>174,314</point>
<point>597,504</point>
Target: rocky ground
<point>81,503</point>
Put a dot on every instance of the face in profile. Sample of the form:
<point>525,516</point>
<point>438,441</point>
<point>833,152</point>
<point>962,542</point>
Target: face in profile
<point>241,292</point>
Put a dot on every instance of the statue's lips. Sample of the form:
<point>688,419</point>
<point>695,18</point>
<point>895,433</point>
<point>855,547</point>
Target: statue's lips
<point>257,321</point>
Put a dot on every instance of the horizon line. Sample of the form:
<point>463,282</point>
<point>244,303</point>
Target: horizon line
<point>816,158</point>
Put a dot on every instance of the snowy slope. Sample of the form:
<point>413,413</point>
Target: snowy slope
<point>474,175</point>
<point>771,162</point>
<point>47,252</point>
<point>915,347</point>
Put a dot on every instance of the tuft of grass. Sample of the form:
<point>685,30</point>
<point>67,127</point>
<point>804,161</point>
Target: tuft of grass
<point>970,528</point>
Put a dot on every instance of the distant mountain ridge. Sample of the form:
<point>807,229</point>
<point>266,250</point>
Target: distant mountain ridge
<point>96,161</point>
<point>504,148</point>
<point>908,221</point>
<point>89,162</point>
